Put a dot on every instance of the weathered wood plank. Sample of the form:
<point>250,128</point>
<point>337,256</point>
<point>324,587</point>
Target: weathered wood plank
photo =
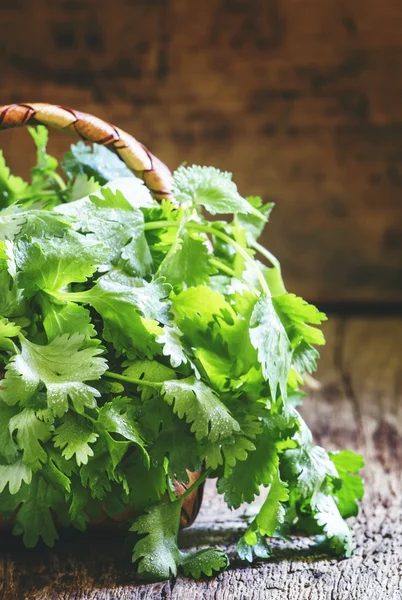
<point>301,100</point>
<point>359,406</point>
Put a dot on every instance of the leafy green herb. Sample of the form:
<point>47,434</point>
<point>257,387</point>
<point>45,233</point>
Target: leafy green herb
<point>140,342</point>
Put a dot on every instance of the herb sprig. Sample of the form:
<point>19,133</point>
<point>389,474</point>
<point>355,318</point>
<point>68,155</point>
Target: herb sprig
<point>140,341</point>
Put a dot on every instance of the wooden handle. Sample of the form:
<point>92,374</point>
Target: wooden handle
<point>155,174</point>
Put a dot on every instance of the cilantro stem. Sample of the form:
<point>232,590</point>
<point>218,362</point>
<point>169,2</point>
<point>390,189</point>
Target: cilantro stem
<point>195,485</point>
<point>268,255</point>
<point>222,267</point>
<point>219,234</point>
<point>134,380</point>
<point>59,180</point>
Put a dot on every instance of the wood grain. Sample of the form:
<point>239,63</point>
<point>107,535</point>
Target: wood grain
<point>302,100</point>
<point>359,406</point>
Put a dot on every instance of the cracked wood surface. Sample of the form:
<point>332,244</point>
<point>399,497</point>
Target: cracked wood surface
<point>359,406</point>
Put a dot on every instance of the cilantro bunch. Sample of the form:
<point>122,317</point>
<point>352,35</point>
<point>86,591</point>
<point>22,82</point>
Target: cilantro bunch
<point>140,341</point>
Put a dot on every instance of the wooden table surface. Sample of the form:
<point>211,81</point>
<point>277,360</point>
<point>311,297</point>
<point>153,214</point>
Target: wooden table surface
<point>359,406</point>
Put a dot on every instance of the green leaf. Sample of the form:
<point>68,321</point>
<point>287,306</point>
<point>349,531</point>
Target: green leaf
<point>61,366</point>
<point>201,407</point>
<point>119,417</point>
<point>145,485</point>
<point>11,222</point>
<point>157,551</point>
<point>202,305</point>
<point>270,339</point>
<point>34,519</point>
<point>130,308</point>
<point>117,226</point>
<point>83,186</point>
<point>243,481</point>
<point>247,552</point>
<point>43,173</point>
<point>8,330</point>
<point>295,313</point>
<point>8,448</point>
<point>50,255</point>
<point>12,188</point>
<point>252,224</point>
<point>203,562</point>
<point>14,475</point>
<point>310,466</point>
<point>327,515</point>
<point>186,264</point>
<point>305,358</point>
<point>349,488</point>
<point>212,189</point>
<point>173,346</point>
<point>271,514</point>
<point>66,319</point>
<point>96,161</point>
<point>73,436</point>
<point>30,433</point>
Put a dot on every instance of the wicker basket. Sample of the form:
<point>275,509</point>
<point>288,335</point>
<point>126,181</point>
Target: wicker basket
<point>158,179</point>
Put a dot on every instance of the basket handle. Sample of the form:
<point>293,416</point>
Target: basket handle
<point>155,174</point>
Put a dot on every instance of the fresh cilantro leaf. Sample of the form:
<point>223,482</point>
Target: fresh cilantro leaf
<point>130,308</point>
<point>119,417</point>
<point>305,358</point>
<point>202,305</point>
<point>252,224</point>
<point>66,319</point>
<point>203,562</point>
<point>170,338</point>
<point>12,188</point>
<point>295,313</point>
<point>349,488</point>
<point>73,436</point>
<point>201,407</point>
<point>145,485</point>
<point>271,513</point>
<point>247,552</point>
<point>176,448</point>
<point>11,221</point>
<point>310,466</point>
<point>8,330</point>
<point>83,186</point>
<point>96,161</point>
<point>118,227</point>
<point>243,481</point>
<point>14,475</point>
<point>327,515</point>
<point>270,339</point>
<point>212,189</point>
<point>158,553</point>
<point>203,340</point>
<point>34,519</point>
<point>30,433</point>
<point>44,172</point>
<point>8,447</point>
<point>61,366</point>
<point>49,262</point>
<point>186,264</point>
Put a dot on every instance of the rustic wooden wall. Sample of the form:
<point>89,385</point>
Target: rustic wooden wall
<point>301,99</point>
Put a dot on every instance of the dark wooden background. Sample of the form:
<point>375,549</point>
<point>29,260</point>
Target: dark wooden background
<point>301,99</point>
